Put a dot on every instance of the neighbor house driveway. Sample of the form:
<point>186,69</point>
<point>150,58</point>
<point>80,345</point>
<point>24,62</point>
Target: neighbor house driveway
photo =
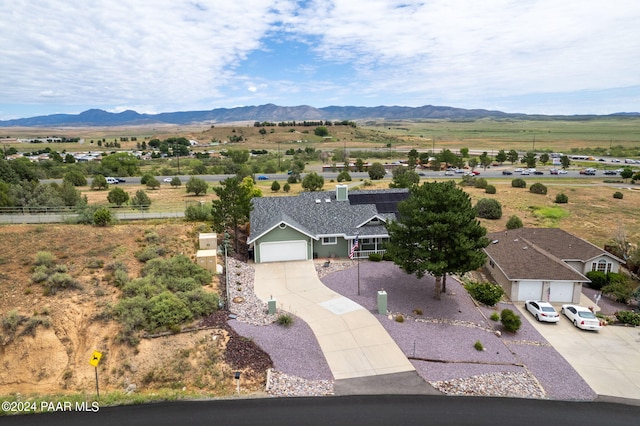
<point>608,360</point>
<point>351,338</point>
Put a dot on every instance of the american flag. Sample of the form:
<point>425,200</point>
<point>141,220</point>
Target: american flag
<point>354,248</point>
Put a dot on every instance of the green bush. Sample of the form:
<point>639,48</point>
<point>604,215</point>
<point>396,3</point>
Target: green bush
<point>538,188</point>
<point>628,317</point>
<point>495,317</point>
<point>561,198</point>
<point>480,183</point>
<point>59,281</point>
<point>510,321</point>
<point>486,293</point>
<point>619,287</point>
<point>399,318</point>
<point>618,195</point>
<point>375,257</point>
<point>199,302</point>
<point>141,200</point>
<point>44,258</point>
<point>514,222</point>
<point>344,176</point>
<point>285,320</point>
<point>197,212</point>
<point>102,217</point>
<point>489,208</point>
<point>478,346</point>
<point>145,178</point>
<point>518,183</point>
<point>149,252</point>
<point>598,279</point>
<point>166,311</point>
<point>490,189</point>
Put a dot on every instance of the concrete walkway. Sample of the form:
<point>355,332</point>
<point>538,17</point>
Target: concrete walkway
<point>351,338</point>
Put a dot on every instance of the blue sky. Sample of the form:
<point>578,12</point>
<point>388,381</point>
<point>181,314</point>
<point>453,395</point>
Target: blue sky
<point>534,56</point>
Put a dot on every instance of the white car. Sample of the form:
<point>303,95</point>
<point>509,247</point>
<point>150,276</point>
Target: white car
<point>449,173</point>
<point>562,172</point>
<point>581,317</point>
<point>519,170</point>
<point>542,311</point>
<point>168,180</point>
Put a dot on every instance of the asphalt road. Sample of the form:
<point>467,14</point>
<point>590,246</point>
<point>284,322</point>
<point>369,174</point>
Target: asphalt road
<point>349,410</point>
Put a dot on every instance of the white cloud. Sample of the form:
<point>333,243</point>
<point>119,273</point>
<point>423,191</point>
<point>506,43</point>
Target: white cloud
<point>174,54</point>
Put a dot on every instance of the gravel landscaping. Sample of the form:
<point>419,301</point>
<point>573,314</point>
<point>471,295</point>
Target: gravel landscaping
<point>438,337</point>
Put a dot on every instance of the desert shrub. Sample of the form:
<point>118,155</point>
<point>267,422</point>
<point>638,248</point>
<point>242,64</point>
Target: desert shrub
<point>40,274</point>
<point>166,270</point>
<point>344,176</point>
<point>57,281</point>
<point>485,292</point>
<point>481,183</point>
<point>417,311</point>
<point>145,178</point>
<point>120,278</point>
<point>561,198</point>
<point>399,318</point>
<point>495,317</point>
<point>598,279</point>
<point>102,217</point>
<point>618,195</point>
<point>198,213</point>
<point>166,310</point>
<point>490,189</point>
<point>11,322</point>
<point>514,222</point>
<point>538,188</point>
<point>275,186</point>
<point>285,320</point>
<point>286,187</point>
<point>489,208</point>
<point>375,257</point>
<point>149,252</point>
<point>199,302</point>
<point>44,258</point>
<point>510,321</point>
<point>95,263</point>
<point>175,182</point>
<point>478,345</point>
<point>518,183</point>
<point>132,312</point>
<point>628,317</point>
<point>32,324</point>
<point>145,287</point>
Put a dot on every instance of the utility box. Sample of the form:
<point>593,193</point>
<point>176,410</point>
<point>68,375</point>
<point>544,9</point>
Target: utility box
<point>208,259</point>
<point>208,241</point>
<point>272,306</point>
<point>382,302</point>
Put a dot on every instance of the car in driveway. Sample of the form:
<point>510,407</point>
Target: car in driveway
<point>581,317</point>
<point>542,311</point>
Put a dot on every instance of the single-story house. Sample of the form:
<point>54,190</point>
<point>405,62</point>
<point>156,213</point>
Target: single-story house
<point>322,224</point>
<point>544,263</point>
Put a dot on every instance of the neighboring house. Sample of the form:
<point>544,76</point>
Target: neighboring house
<point>322,224</point>
<point>544,263</point>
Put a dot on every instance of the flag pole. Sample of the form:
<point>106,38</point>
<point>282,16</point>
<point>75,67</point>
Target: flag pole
<point>358,274</point>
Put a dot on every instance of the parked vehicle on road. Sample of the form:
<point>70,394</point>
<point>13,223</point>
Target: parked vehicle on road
<point>542,311</point>
<point>581,317</point>
<point>507,172</point>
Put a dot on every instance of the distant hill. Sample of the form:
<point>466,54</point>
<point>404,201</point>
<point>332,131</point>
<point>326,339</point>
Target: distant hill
<point>275,113</point>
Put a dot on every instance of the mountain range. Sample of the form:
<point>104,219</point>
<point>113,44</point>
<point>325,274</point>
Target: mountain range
<point>275,113</point>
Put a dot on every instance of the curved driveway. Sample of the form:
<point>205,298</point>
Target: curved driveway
<point>353,341</point>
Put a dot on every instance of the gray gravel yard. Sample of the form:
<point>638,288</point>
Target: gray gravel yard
<point>439,341</point>
<point>448,328</point>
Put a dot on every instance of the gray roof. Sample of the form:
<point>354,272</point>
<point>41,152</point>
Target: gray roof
<point>316,219</point>
<point>540,253</point>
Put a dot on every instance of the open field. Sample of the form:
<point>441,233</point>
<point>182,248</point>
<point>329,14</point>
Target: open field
<point>489,135</point>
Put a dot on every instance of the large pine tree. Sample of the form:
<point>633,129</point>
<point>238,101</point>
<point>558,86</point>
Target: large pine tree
<point>437,232</point>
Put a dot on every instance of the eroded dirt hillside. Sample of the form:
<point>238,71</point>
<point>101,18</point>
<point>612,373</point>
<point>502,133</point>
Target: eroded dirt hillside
<point>47,340</point>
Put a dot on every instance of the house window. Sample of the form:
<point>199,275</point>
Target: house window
<point>329,240</point>
<point>602,266</point>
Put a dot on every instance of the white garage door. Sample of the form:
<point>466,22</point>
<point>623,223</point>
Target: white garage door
<point>530,290</point>
<point>283,250</point>
<point>560,292</point>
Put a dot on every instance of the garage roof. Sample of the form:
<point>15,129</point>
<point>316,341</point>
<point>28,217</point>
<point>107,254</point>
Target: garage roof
<point>530,254</point>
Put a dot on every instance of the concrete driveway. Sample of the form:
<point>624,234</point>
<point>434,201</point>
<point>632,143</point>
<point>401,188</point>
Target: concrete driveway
<point>351,338</point>
<point>608,360</point>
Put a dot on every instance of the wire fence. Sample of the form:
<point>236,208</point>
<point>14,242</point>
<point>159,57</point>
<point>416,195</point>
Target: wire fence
<point>44,214</point>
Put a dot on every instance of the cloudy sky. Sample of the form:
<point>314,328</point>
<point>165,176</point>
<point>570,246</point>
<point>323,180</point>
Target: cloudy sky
<point>533,56</point>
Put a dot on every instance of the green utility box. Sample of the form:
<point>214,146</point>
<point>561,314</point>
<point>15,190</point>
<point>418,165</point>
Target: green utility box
<point>272,306</point>
<point>382,302</point>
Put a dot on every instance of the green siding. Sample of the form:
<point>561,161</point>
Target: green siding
<point>280,234</point>
<point>340,249</point>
